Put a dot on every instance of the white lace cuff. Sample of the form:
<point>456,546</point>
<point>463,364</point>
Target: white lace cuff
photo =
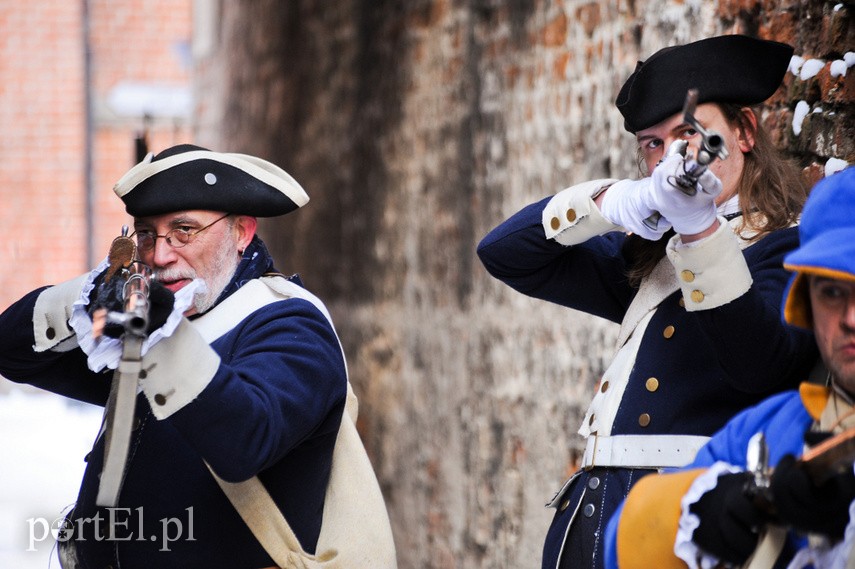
<point>105,352</point>
<point>684,547</point>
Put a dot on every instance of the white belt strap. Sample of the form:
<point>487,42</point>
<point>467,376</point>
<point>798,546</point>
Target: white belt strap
<point>642,451</point>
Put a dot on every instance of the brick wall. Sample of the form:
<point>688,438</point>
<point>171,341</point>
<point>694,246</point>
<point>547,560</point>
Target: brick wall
<point>41,146</point>
<point>813,114</point>
<point>43,138</point>
<point>417,126</point>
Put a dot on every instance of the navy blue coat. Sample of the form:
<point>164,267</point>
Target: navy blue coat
<point>272,409</point>
<point>715,363</point>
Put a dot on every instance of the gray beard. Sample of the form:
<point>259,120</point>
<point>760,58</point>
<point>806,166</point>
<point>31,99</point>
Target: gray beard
<point>224,269</point>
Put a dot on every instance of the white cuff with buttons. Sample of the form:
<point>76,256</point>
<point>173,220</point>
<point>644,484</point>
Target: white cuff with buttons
<point>52,312</point>
<point>574,208</point>
<point>177,370</point>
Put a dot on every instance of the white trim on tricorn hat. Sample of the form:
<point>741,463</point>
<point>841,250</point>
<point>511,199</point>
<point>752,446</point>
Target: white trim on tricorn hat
<point>189,177</point>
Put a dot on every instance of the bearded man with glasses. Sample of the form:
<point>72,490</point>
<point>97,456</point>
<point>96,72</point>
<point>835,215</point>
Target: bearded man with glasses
<point>243,446</point>
<point>175,267</point>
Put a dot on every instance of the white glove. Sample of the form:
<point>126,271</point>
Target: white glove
<point>629,203</point>
<point>688,214</point>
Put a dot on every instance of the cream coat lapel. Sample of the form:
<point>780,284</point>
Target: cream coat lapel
<point>661,283</point>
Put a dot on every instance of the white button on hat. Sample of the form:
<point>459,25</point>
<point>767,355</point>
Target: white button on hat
<point>210,179</point>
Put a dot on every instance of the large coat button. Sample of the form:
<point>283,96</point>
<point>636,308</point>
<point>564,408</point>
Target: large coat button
<point>668,331</point>
<point>589,510</point>
<point>644,419</point>
<point>652,384</point>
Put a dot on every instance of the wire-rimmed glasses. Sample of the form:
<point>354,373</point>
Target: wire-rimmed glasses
<point>176,238</point>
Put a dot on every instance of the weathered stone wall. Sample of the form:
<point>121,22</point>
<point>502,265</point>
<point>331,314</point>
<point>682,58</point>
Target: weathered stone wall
<point>416,127</point>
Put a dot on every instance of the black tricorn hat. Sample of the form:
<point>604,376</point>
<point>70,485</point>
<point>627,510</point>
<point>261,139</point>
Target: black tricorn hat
<point>187,177</point>
<point>724,69</point>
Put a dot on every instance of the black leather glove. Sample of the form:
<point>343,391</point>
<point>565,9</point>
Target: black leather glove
<point>806,507</point>
<point>730,521</point>
<point>109,296</point>
<point>160,300</point>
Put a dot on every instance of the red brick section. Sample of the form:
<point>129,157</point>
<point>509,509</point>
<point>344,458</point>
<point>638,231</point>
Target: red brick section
<point>42,140</point>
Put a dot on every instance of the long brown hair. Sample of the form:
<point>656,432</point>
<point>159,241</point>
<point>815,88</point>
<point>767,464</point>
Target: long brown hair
<point>770,189</point>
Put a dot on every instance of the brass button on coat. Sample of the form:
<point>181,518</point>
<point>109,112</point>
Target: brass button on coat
<point>644,419</point>
<point>668,331</point>
<point>571,215</point>
<point>697,296</point>
<point>555,223</point>
<point>682,302</point>
<point>564,505</point>
<point>687,275</point>
<point>605,386</point>
<point>652,384</point>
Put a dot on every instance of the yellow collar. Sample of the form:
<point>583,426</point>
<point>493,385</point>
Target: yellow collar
<point>815,398</point>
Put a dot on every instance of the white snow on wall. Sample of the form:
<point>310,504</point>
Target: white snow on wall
<point>796,63</point>
<point>810,68</point>
<point>835,165</point>
<point>838,68</point>
<point>801,111</point>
